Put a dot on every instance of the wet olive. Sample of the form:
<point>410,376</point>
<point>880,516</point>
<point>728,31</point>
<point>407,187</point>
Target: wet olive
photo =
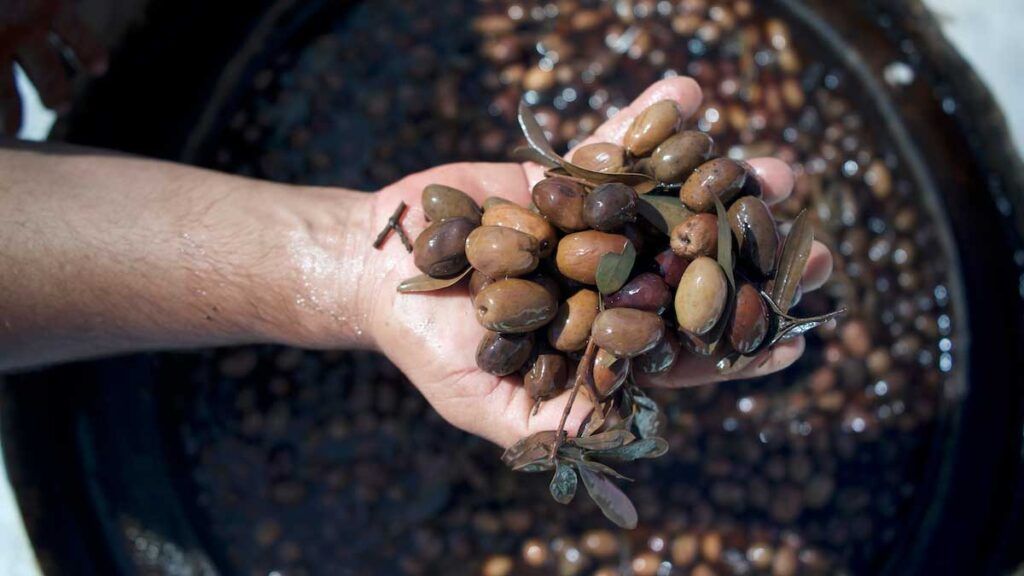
<point>720,177</point>
<point>503,354</point>
<point>645,292</point>
<point>749,323</point>
<point>609,206</point>
<point>652,126</point>
<point>477,282</point>
<point>661,358</point>
<point>696,236</point>
<point>579,254</point>
<point>758,238</point>
<point>443,202</point>
<point>548,282</point>
<point>440,250</point>
<point>610,372</point>
<point>700,298</point>
<point>674,159</point>
<point>518,218</point>
<point>560,200</point>
<point>492,201</point>
<point>499,252</point>
<point>600,157</point>
<point>671,266</point>
<point>514,305</point>
<point>627,332</point>
<point>643,166</point>
<point>570,329</point>
<point>546,375</point>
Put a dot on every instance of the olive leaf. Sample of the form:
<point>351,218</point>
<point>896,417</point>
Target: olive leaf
<point>643,448</point>
<point>647,421</point>
<point>563,483</point>
<point>724,242</point>
<point>530,449</point>
<point>535,135</point>
<point>542,464</point>
<point>613,269</point>
<point>529,154</point>
<point>664,212</point>
<point>795,252</point>
<point>601,468</point>
<point>605,440</point>
<point>424,283</point>
<point>609,498</point>
<point>786,326</point>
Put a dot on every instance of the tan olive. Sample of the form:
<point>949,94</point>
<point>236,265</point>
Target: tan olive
<point>674,159</point>
<point>492,201</point>
<point>720,177</point>
<point>609,372</point>
<point>696,236</point>
<point>748,325</point>
<point>651,127</point>
<point>570,329</point>
<point>518,218</point>
<point>514,305</point>
<point>477,282</point>
<point>661,358</point>
<point>440,250</point>
<point>700,298</point>
<point>579,254</point>
<point>499,252</point>
<point>627,332</point>
<point>503,354</point>
<point>560,200</point>
<point>443,202</point>
<point>758,238</point>
<point>546,375</point>
<point>600,157</point>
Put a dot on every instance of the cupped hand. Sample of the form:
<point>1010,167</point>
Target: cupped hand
<point>432,337</point>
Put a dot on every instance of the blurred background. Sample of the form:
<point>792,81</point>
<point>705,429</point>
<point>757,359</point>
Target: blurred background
<point>892,447</point>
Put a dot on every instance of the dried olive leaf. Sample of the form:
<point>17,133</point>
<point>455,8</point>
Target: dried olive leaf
<point>424,283</point>
<point>664,212</point>
<point>613,502</point>
<point>604,440</point>
<point>535,136</point>
<point>654,447</point>
<point>563,483</point>
<point>602,469</point>
<point>541,465</point>
<point>613,270</point>
<point>647,421</point>
<point>795,252</point>
<point>724,242</point>
<point>528,450</point>
<point>528,154</point>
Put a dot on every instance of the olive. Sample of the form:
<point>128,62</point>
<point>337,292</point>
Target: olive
<point>477,282</point>
<point>610,372</point>
<point>674,159</point>
<point>720,177</point>
<point>546,375</point>
<point>627,332</point>
<point>661,358</point>
<point>498,252</point>
<point>696,236</point>
<point>645,292</point>
<point>548,282</point>
<point>528,222</point>
<point>609,206</point>
<point>443,202</point>
<point>503,354</point>
<point>652,126</point>
<point>440,250</point>
<point>570,329</point>
<point>492,201</point>
<point>671,266</point>
<point>758,238</point>
<point>579,254</point>
<point>514,305</point>
<point>560,200</point>
<point>749,323</point>
<point>643,166</point>
<point>600,157</point>
<point>700,298</point>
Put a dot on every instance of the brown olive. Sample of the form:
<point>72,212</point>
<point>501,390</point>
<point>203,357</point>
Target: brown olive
<point>528,222</point>
<point>610,372</point>
<point>477,282</point>
<point>443,202</point>
<point>661,358</point>
<point>652,126</point>
<point>696,236</point>
<point>492,201</point>
<point>626,332</point>
<point>609,206</point>
<point>758,238</point>
<point>643,166</point>
<point>499,252</point>
<point>645,292</point>
<point>720,177</point>
<point>600,157</point>
<point>579,254</point>
<point>560,200</point>
<point>440,250</point>
<point>674,159</point>
<point>671,266</point>
<point>514,305</point>
<point>546,375</point>
<point>548,282</point>
<point>570,329</point>
<point>749,323</point>
<point>503,354</point>
<point>700,298</point>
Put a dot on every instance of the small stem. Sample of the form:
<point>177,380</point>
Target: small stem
<point>394,225</point>
<point>585,363</point>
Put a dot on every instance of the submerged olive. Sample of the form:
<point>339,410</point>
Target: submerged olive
<point>674,159</point>
<point>700,298</point>
<point>499,252</point>
<point>440,250</point>
<point>626,332</point>
<point>652,126</point>
<point>579,254</point>
<point>503,354</point>
<point>645,292</point>
<point>546,375</point>
<point>749,323</point>
<point>514,305</point>
<point>696,236</point>
<point>477,282</point>
<point>570,329</point>
<point>560,200</point>
<point>661,358</point>
<point>518,218</point>
<point>752,223</point>
<point>609,206</point>
<point>600,157</point>
<point>610,372</point>
<point>671,266</point>
<point>443,202</point>
<point>720,177</point>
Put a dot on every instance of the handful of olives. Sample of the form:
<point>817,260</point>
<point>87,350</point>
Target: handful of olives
<point>628,258</point>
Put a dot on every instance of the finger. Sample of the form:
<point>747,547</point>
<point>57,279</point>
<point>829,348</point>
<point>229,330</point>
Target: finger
<point>46,71</point>
<point>776,178</point>
<point>10,101</point>
<point>693,371</point>
<point>80,40</point>
<point>478,179</point>
<point>819,267</point>
<point>515,407</point>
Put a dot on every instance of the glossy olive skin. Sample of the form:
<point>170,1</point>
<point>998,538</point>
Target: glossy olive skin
<point>661,358</point>
<point>696,236</point>
<point>492,201</point>
<point>679,155</point>
<point>546,375</point>
<point>626,332</point>
<point>756,234</point>
<point>440,250</point>
<point>720,177</point>
<point>651,127</point>
<point>477,282</point>
<point>560,200</point>
<point>499,252</point>
<point>579,254</point>
<point>671,266</point>
<point>503,354</point>
<point>443,202</point>
<point>609,372</point>
<point>748,325</point>
<point>548,282</point>
<point>609,206</point>
<point>701,296</point>
<point>528,222</point>
<point>646,292</point>
<point>514,306</point>
<point>600,157</point>
<point>570,329</point>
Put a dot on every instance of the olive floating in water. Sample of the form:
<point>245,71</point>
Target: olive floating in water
<point>748,325</point>
<point>671,266</point>
<point>661,358</point>
<point>651,127</point>
<point>443,202</point>
<point>440,250</point>
<point>701,296</point>
<point>571,327</point>
<point>610,206</point>
<point>579,254</point>
<point>600,157</point>
<point>610,372</point>
<point>514,305</point>
<point>696,236</point>
<point>627,332</point>
<point>518,218</point>
<point>720,177</point>
<point>646,292</point>
<point>758,239</point>
<point>503,354</point>
<point>674,159</point>
<point>546,375</point>
<point>560,200</point>
<point>498,252</point>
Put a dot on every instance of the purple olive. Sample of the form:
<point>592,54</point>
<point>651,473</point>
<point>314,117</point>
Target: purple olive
<point>645,292</point>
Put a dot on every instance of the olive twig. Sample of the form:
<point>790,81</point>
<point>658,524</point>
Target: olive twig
<point>585,363</point>
<point>393,224</point>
